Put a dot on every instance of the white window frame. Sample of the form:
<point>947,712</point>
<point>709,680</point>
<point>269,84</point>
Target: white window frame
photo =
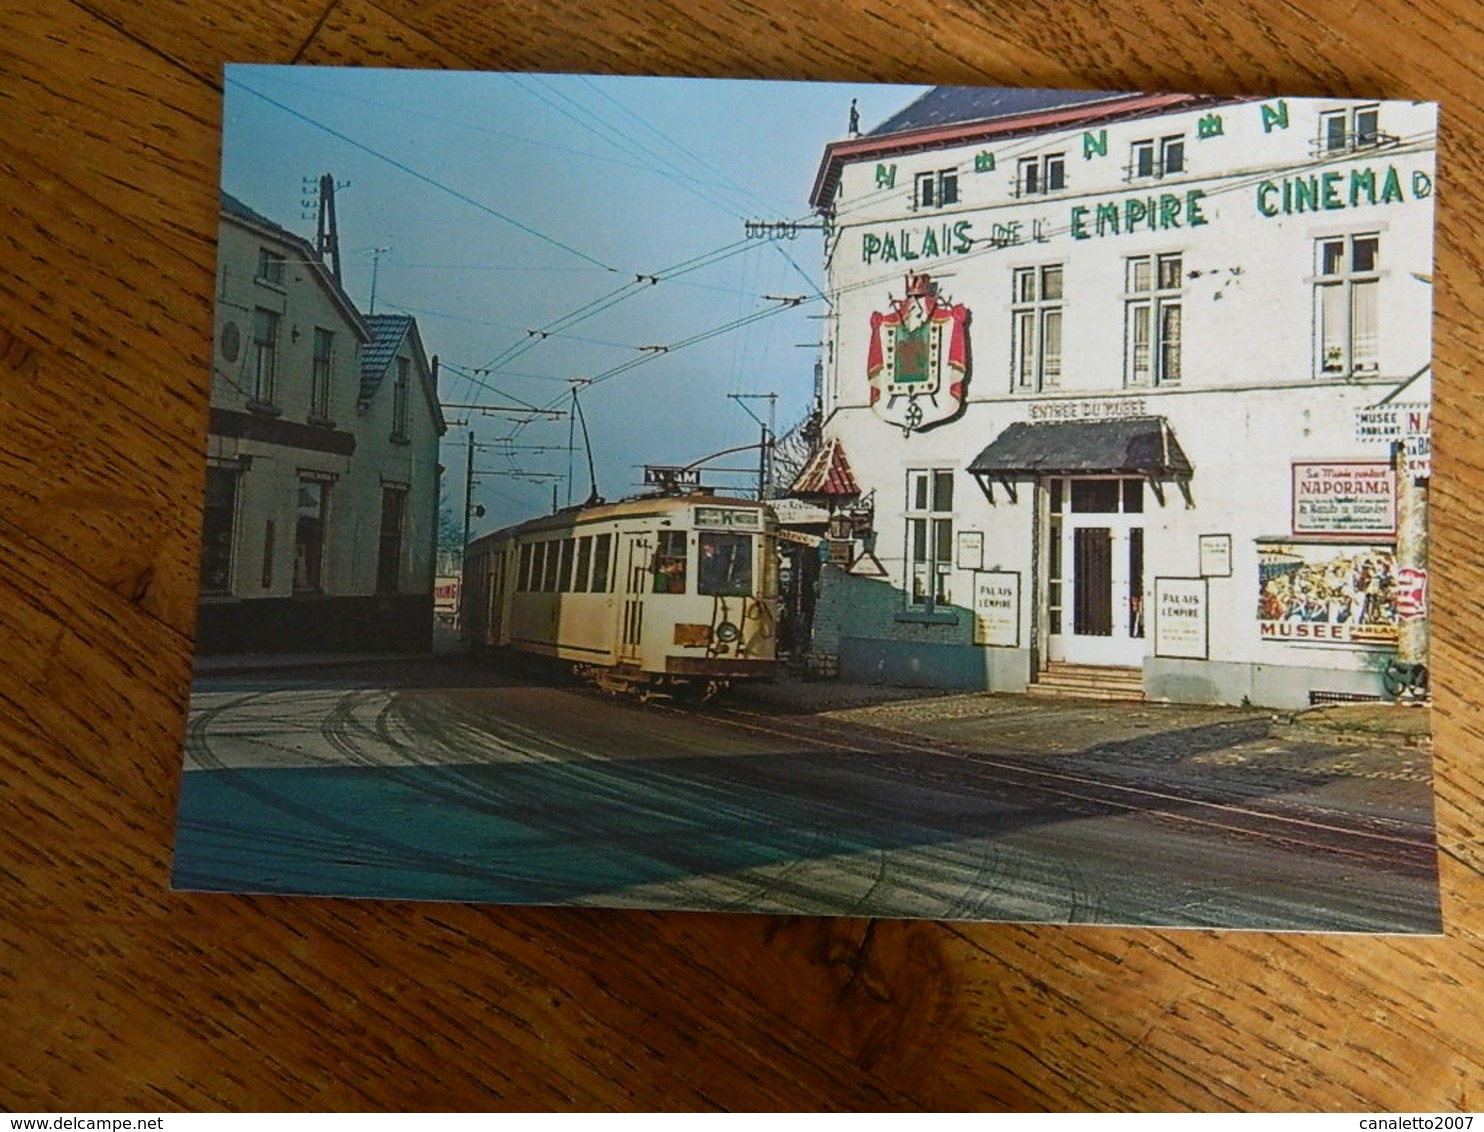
<point>931,188</point>
<point>322,369</point>
<point>270,267</point>
<point>1360,128</point>
<point>1036,327</point>
<point>1165,157</point>
<point>265,337</point>
<point>1033,175</point>
<point>928,550</point>
<point>1153,319</point>
<point>1346,305</point>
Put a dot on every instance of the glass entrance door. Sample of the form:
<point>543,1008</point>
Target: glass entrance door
<point>1095,571</point>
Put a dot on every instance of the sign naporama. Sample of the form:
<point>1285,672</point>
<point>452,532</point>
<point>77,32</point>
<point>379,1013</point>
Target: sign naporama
<point>1328,191</point>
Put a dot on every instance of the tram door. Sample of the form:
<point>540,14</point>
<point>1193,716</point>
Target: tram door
<point>635,555</point>
<point>1095,571</point>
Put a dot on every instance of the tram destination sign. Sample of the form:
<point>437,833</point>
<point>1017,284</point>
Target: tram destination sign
<point>658,475</point>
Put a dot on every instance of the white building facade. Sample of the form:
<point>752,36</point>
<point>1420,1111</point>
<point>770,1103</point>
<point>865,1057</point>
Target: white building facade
<point>1107,369</point>
<point>322,459</point>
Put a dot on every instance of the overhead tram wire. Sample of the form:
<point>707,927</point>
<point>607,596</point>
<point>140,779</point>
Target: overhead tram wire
<point>695,339</point>
<point>627,143</point>
<point>423,177</point>
<point>640,283</point>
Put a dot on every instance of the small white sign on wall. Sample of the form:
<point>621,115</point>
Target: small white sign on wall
<point>997,609</point>
<point>1216,556</point>
<point>971,550</point>
<point>1181,618</point>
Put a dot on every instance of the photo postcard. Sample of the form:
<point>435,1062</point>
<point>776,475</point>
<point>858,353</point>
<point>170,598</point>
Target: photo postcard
<point>962,503</point>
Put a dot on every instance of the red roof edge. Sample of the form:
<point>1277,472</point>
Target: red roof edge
<point>837,153</point>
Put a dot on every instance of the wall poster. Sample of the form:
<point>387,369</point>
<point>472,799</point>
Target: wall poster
<point>1344,498</point>
<point>1181,618</point>
<point>997,608</point>
<point>1335,595</point>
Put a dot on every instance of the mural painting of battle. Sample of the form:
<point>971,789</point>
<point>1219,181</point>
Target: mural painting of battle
<point>951,502</point>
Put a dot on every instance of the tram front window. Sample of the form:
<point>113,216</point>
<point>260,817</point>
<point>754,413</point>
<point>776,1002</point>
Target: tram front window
<point>725,564</point>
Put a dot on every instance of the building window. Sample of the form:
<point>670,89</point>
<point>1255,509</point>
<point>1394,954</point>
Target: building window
<point>389,554</point>
<point>1152,327</point>
<point>309,536</point>
<point>1037,175</point>
<point>1158,157</point>
<point>217,530</point>
<point>1356,127</point>
<point>270,267</point>
<point>400,399</point>
<point>319,387</point>
<point>265,355</point>
<point>1036,327</point>
<point>937,189</point>
<point>929,537</point>
<point>1345,289</point>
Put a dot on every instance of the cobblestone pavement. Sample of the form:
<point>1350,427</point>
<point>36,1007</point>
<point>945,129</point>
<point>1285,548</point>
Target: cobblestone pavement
<point>1379,741</point>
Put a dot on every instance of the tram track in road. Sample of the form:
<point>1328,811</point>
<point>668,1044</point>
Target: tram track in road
<point>1378,842</point>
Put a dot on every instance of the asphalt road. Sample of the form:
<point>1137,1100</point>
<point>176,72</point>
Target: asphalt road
<point>447,782</point>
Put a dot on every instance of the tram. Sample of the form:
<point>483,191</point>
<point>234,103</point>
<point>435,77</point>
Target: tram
<point>656,594</point>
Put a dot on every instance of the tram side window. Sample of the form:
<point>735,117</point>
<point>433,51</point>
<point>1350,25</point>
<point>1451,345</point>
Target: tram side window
<point>523,579</point>
<point>564,583</point>
<point>538,565</point>
<point>584,564</point>
<point>725,566</point>
<point>553,561</point>
<point>669,563</point>
<point>601,550</point>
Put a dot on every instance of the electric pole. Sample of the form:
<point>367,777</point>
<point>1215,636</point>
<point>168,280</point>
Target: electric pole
<point>765,448</point>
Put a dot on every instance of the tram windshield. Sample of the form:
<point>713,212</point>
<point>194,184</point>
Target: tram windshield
<point>725,567</point>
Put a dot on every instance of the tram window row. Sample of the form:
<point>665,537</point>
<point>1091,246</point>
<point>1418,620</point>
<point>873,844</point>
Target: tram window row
<point>569,565</point>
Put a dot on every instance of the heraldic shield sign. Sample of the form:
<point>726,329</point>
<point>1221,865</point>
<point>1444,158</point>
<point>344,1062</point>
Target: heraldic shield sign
<point>917,361</point>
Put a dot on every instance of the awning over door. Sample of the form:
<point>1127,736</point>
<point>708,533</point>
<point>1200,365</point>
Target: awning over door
<point>1136,446</point>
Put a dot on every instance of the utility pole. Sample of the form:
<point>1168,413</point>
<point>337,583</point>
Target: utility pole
<point>468,487</point>
<point>1409,675</point>
<point>327,240</point>
<point>765,447</point>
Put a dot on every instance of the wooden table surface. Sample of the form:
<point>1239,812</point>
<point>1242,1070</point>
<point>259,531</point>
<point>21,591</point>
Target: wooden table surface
<point>116,994</point>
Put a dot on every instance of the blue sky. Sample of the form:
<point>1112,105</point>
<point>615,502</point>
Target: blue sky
<point>502,203</point>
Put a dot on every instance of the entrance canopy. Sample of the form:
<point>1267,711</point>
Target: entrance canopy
<point>1136,446</point>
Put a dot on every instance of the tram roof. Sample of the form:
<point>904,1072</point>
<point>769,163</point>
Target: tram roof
<point>633,507</point>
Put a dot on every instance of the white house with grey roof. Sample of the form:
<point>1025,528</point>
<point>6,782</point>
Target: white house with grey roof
<point>322,474</point>
<point>1119,378</point>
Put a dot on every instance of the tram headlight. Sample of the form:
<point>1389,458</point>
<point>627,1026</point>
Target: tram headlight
<point>726,632</point>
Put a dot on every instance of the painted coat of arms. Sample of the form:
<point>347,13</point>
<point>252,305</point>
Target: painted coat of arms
<point>917,361</point>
